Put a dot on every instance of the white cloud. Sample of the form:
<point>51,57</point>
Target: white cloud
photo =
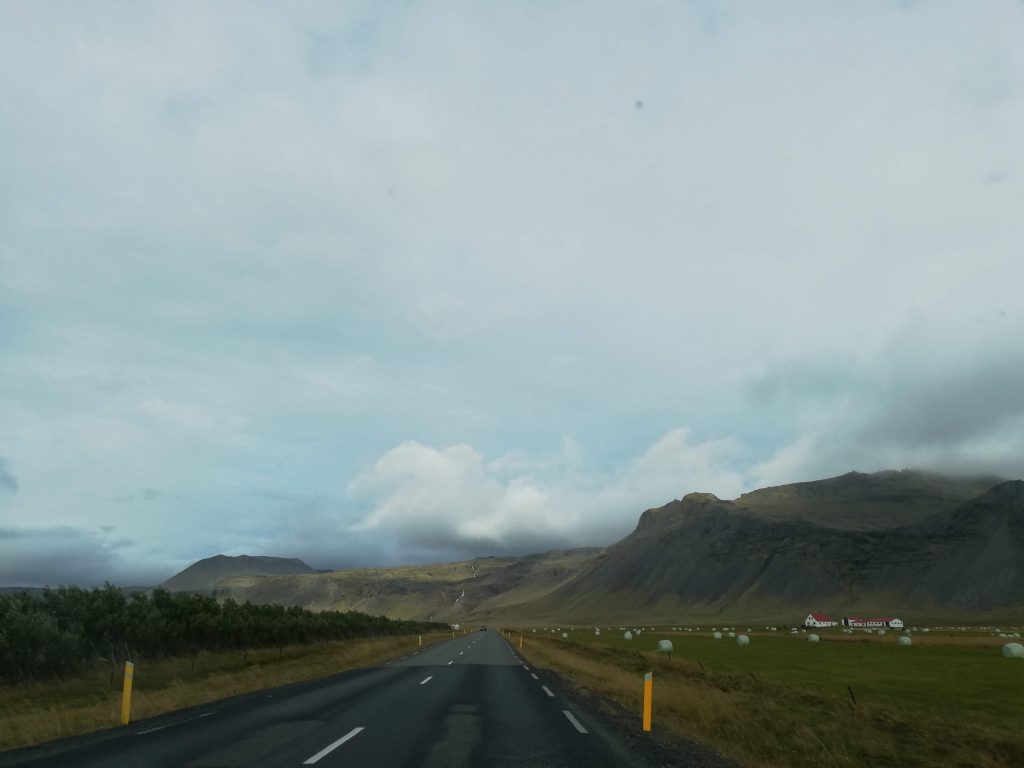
<point>421,495</point>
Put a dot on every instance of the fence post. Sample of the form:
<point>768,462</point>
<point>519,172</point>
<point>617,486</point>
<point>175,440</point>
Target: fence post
<point>126,693</point>
<point>648,696</point>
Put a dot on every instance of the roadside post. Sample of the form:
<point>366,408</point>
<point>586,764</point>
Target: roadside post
<point>126,693</point>
<point>421,641</point>
<point>648,696</point>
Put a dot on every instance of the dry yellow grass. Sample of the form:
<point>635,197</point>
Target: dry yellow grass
<point>760,723</point>
<point>35,713</point>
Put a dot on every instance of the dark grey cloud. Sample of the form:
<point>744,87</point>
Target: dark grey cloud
<point>66,555</point>
<point>8,482</point>
<point>953,407</point>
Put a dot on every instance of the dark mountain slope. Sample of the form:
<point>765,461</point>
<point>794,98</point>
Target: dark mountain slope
<point>706,556</point>
<point>866,502</point>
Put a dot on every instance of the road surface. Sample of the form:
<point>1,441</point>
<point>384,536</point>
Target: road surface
<point>468,701</point>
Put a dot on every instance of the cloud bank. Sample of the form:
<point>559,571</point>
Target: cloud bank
<point>373,283</point>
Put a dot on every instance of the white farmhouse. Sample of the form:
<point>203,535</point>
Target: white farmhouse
<point>873,622</point>
<point>819,620</point>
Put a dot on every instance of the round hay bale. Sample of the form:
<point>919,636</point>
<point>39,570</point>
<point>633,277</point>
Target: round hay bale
<point>664,646</point>
<point>732,634</point>
<point>881,631</point>
<point>813,638</point>
<point>1013,651</point>
<point>565,636</point>
<point>742,640</point>
<point>716,635</point>
<point>627,636</point>
<point>905,640</point>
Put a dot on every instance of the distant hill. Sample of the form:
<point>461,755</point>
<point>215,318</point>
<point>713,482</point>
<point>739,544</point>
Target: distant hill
<point>906,541</point>
<point>203,575</point>
<point>442,592</point>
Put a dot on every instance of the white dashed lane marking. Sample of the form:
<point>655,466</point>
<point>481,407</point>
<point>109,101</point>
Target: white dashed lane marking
<point>427,680</point>
<point>534,676</point>
<point>333,746</point>
<point>576,723</point>
<point>548,691</point>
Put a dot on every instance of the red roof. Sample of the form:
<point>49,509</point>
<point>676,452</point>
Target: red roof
<point>820,617</point>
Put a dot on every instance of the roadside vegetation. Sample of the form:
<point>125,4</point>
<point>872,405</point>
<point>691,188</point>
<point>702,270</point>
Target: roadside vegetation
<point>784,701</point>
<point>65,631</point>
<point>32,713</point>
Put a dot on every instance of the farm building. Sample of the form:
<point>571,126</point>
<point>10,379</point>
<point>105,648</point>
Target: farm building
<point>819,620</point>
<point>857,622</point>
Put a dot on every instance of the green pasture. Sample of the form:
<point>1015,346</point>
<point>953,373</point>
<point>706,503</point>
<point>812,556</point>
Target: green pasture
<point>936,674</point>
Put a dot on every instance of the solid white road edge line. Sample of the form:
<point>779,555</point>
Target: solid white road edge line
<point>548,691</point>
<point>331,747</point>
<point>574,721</point>
<point>426,680</point>
<point>171,725</point>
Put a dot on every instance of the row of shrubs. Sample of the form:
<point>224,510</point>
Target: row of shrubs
<point>59,632</point>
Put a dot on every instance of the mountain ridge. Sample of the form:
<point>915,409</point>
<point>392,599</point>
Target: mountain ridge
<point>894,540</point>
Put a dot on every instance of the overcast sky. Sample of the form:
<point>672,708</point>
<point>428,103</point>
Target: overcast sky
<point>375,283</point>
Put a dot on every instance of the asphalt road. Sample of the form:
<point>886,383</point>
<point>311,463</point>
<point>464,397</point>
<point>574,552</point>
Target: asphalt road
<point>470,701</point>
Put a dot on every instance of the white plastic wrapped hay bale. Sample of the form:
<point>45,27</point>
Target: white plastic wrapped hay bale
<point>732,634</point>
<point>812,638</point>
<point>905,640</point>
<point>716,635</point>
<point>664,646</point>
<point>1013,651</point>
<point>881,631</point>
<point>628,635</point>
<point>565,635</point>
<point>742,640</point>
<point>597,633</point>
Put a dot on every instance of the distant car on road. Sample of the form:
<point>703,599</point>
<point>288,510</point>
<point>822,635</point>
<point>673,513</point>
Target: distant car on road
<point>483,629</point>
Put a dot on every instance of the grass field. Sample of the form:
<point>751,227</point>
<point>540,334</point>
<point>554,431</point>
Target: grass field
<point>945,700</point>
<point>34,713</point>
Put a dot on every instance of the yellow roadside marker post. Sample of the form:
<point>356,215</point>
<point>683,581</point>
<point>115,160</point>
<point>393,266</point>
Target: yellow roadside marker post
<point>126,693</point>
<point>648,696</point>
<point>520,641</point>
<point>421,641</point>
